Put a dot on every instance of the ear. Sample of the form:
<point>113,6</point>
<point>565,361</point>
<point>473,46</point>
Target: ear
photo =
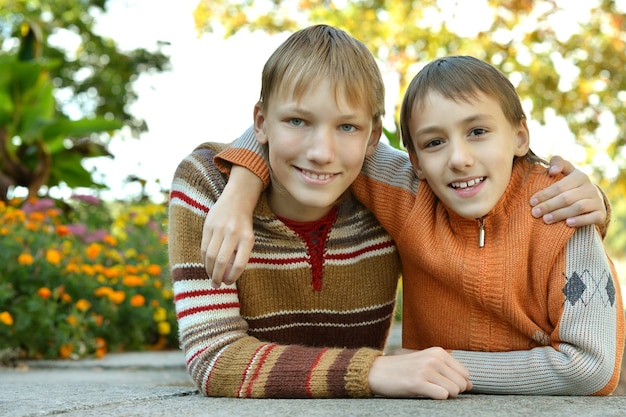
<point>259,124</point>
<point>523,139</point>
<point>377,132</point>
<point>416,165</point>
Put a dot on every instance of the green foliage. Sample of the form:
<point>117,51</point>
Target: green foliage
<point>83,278</point>
<point>33,136</point>
<point>97,75</point>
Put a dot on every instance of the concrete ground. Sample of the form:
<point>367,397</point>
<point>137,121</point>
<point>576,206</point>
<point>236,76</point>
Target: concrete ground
<point>156,384</point>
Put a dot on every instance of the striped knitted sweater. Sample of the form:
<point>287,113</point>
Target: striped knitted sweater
<point>308,316</point>
<point>537,310</point>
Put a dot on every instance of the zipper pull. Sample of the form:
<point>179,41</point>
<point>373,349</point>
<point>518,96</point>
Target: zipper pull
<point>481,232</point>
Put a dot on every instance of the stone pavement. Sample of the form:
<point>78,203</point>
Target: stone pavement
<point>156,384</point>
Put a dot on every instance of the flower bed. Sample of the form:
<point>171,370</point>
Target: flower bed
<point>82,278</point>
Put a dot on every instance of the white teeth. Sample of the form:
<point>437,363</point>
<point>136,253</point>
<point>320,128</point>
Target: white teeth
<point>469,183</point>
<point>316,176</point>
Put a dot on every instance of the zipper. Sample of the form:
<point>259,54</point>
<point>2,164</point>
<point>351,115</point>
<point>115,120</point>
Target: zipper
<point>481,232</point>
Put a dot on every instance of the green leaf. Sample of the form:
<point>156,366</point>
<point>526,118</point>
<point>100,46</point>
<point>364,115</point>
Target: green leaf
<point>78,128</point>
<point>67,168</point>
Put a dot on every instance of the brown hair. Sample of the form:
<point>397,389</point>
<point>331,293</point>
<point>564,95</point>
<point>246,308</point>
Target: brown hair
<point>461,78</point>
<point>325,52</point>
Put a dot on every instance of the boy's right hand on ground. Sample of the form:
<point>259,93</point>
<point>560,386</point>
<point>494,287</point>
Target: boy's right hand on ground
<point>431,373</point>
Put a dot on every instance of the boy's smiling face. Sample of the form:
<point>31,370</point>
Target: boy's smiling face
<point>317,145</point>
<point>465,151</point>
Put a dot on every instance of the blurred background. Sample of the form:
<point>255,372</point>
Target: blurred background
<point>103,98</point>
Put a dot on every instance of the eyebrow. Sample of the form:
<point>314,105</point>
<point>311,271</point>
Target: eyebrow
<point>306,113</point>
<point>471,119</point>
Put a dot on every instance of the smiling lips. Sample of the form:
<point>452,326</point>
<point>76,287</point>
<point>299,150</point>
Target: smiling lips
<point>315,175</point>
<point>466,184</point>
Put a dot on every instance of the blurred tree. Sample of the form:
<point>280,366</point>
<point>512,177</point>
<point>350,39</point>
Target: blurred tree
<point>34,135</point>
<point>96,78</point>
<point>55,71</point>
<point>577,73</point>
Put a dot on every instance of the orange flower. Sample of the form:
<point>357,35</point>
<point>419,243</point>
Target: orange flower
<point>117,297</point>
<point>25,259</point>
<point>137,300</point>
<point>132,281</point>
<point>44,293</point>
<point>103,291</point>
<point>88,269</point>
<point>83,304</point>
<point>111,272</point>
<point>72,267</point>
<point>62,230</point>
<point>110,240</point>
<point>154,270</point>
<point>65,350</point>
<point>101,347</point>
<point>93,250</point>
<point>131,269</point>
<point>66,297</point>
<point>71,320</point>
<point>6,318</point>
<point>32,226</point>
<point>36,216</point>
<point>53,256</point>
<point>98,319</point>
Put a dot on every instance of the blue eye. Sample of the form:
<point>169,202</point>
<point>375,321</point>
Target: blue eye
<point>296,122</point>
<point>348,128</point>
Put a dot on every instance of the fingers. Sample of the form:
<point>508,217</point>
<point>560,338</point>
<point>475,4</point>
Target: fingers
<point>567,206</point>
<point>560,165</point>
<point>225,252</point>
<point>573,198</point>
<point>239,260</point>
<point>431,373</point>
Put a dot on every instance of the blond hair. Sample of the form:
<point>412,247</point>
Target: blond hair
<point>323,52</point>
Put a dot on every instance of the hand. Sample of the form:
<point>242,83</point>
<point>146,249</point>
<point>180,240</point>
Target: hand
<point>431,373</point>
<point>227,236</point>
<point>574,198</point>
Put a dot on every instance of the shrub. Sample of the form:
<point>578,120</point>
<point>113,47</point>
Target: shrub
<point>83,278</point>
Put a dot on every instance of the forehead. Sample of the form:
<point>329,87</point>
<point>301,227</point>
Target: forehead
<point>475,100</point>
<point>335,91</point>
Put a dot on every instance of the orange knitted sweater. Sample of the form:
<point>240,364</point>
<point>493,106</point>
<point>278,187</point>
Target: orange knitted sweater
<point>537,310</point>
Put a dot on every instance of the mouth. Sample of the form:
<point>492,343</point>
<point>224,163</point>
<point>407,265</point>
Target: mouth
<point>467,184</point>
<point>316,175</point>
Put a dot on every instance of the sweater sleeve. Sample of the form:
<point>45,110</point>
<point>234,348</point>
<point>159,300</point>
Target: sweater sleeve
<point>585,349</point>
<point>247,152</point>
<point>387,186</point>
<point>221,357</point>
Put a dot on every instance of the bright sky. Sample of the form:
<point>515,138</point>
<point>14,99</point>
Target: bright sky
<point>210,92</point>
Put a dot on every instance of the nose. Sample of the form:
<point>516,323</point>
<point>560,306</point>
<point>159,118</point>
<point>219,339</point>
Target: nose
<point>322,146</point>
<point>460,155</point>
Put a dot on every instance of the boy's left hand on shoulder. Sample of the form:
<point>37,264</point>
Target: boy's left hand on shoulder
<point>574,198</point>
